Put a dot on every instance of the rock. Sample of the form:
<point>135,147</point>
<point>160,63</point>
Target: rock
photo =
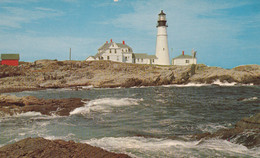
<point>252,122</point>
<point>245,132</point>
<point>41,148</point>
<point>10,105</point>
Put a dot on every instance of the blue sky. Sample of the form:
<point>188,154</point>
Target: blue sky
<point>225,33</point>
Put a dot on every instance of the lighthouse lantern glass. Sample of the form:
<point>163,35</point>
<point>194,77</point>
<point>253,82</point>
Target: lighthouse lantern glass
<point>162,17</point>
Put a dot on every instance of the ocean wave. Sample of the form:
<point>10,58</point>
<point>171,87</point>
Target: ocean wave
<point>69,136</point>
<point>153,147</point>
<point>249,99</point>
<point>211,127</point>
<point>105,105</point>
<point>216,82</point>
<point>24,114</point>
<point>188,85</point>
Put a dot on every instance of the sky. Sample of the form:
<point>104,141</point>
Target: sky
<point>225,33</point>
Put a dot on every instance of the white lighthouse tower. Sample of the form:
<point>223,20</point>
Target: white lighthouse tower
<point>162,50</point>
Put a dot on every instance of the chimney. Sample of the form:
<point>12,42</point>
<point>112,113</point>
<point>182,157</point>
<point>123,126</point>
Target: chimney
<point>111,40</point>
<point>123,42</point>
<point>183,52</point>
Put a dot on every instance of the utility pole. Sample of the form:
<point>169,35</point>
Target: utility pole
<point>70,53</point>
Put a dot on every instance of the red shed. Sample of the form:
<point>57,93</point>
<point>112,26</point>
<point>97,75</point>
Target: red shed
<point>10,59</point>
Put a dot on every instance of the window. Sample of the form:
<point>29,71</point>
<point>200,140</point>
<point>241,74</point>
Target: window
<point>187,61</point>
<point>115,51</point>
<point>153,60</point>
<point>125,58</point>
<point>138,59</point>
<point>107,57</point>
<point>117,58</point>
<point>110,51</point>
<point>142,60</point>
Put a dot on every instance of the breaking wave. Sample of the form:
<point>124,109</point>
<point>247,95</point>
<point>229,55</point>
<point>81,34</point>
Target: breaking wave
<point>249,99</point>
<point>187,85</point>
<point>218,82</point>
<point>153,147</point>
<point>105,105</point>
<point>25,114</point>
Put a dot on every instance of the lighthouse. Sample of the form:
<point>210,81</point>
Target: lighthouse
<point>162,50</point>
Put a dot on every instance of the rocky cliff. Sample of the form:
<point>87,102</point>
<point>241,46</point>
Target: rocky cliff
<point>57,74</point>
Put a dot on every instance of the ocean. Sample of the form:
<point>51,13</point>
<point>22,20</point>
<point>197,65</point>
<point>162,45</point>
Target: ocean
<point>144,122</point>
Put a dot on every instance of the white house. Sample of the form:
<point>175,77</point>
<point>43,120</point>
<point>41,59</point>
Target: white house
<point>185,59</point>
<point>121,52</point>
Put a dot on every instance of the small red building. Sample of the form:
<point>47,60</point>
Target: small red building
<point>10,59</point>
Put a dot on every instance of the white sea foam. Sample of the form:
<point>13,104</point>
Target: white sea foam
<point>218,82</point>
<point>69,136</point>
<point>152,147</point>
<point>28,114</point>
<point>188,85</point>
<point>105,105</point>
<point>211,127</point>
<point>250,99</point>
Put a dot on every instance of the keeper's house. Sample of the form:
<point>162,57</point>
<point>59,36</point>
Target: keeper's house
<point>10,59</point>
<point>121,52</point>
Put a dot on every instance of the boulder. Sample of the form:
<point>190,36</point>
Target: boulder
<point>43,148</point>
<point>245,132</point>
<point>10,105</point>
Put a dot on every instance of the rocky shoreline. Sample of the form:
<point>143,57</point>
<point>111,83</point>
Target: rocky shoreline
<point>44,74</point>
<point>40,147</point>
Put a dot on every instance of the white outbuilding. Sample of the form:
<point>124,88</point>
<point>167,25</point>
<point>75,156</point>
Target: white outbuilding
<point>185,59</point>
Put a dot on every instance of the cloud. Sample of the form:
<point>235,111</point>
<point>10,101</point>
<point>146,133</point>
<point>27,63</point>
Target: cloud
<point>14,17</point>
